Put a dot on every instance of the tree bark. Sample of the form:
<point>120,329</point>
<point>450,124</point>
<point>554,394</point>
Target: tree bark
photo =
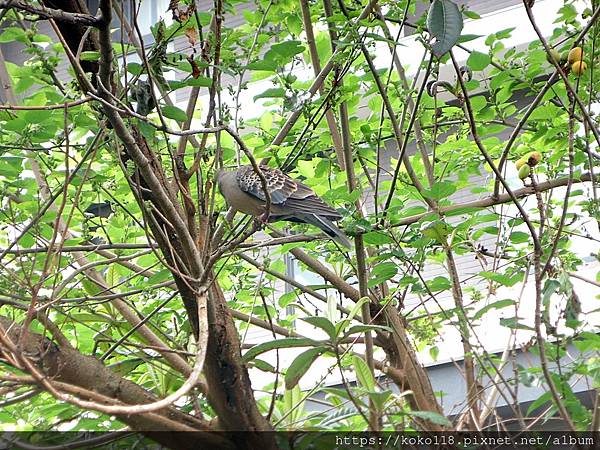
<point>74,32</point>
<point>68,365</point>
<point>229,389</point>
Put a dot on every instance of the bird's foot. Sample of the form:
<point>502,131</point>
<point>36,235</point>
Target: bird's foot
<point>262,220</point>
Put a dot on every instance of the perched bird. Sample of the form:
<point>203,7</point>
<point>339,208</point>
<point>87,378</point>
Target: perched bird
<point>290,200</point>
<point>103,210</point>
<point>100,211</point>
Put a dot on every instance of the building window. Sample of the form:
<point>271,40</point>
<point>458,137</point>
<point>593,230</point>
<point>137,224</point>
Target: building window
<point>148,12</point>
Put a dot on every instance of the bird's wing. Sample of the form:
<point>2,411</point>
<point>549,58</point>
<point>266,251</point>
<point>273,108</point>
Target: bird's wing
<point>291,195</point>
<point>280,186</point>
<point>312,204</point>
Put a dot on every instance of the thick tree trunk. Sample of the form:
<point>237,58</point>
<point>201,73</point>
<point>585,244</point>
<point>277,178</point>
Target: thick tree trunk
<point>230,392</point>
<point>401,355</point>
<point>69,366</point>
<point>229,388</point>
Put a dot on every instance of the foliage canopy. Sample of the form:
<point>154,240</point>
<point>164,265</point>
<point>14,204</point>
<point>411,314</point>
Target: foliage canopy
<point>119,258</point>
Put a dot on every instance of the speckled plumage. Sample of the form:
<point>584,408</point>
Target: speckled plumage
<point>290,200</point>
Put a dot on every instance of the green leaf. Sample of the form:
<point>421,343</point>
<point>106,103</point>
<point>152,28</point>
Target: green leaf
<point>89,56</point>
<point>332,312</point>
<point>277,343</point>
<point>541,400</point>
<point>478,60</point>
<point>519,237</point>
<point>190,82</point>
<point>501,278</point>
<point>363,373</point>
<point>300,365</point>
<point>437,230</point>
<point>377,238</point>
<point>204,18</point>
<point>292,406</point>
<point>357,307</point>
<point>262,365</point>
<point>173,112</point>
<point>271,93</point>
<point>468,37</point>
<point>432,417</point>
<point>89,287</point>
<point>513,323</point>
<point>382,272</point>
<point>505,33</point>
<point>126,366</point>
<point>440,190</point>
<point>380,398</point>
<point>147,130</point>
<point>550,287</point>
<point>294,24</point>
<point>288,48</point>
<point>471,14</point>
<point>160,276</point>
<point>11,166</point>
<point>199,82</point>
<point>264,64</point>
<point>343,324</point>
<point>588,342</point>
<point>495,305</point>
<point>412,211</point>
<point>24,84</point>
<point>287,298</point>
<point>546,112</point>
<point>439,284</point>
<point>478,102</point>
<point>323,323</point>
<point>362,328</point>
<point>135,68</point>
<point>11,34</point>
<point>445,23</point>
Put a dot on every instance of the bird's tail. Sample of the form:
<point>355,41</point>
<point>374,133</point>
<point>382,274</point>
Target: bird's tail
<point>328,227</point>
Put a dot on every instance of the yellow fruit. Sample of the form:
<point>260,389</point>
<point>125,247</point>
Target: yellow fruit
<point>578,67</point>
<point>524,172</point>
<point>553,55</point>
<point>575,54</point>
<point>533,158</point>
<point>520,163</point>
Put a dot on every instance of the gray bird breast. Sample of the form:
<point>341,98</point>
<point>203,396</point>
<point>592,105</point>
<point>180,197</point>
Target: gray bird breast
<point>236,198</point>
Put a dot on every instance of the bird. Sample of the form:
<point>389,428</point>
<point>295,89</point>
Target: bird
<point>103,210</point>
<point>98,210</point>
<point>291,200</point>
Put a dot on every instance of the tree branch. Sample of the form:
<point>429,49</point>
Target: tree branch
<point>49,13</point>
<point>503,198</point>
<point>68,367</point>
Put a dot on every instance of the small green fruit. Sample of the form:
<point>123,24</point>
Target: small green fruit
<point>524,172</point>
<point>520,163</point>
<point>553,55</point>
